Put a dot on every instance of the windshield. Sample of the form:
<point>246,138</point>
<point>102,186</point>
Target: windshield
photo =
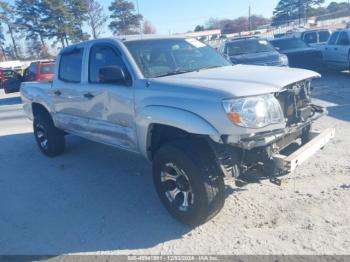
<point>163,57</point>
<point>47,69</point>
<point>240,47</point>
<point>291,43</point>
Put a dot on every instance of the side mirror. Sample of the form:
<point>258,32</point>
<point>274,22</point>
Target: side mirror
<point>112,74</point>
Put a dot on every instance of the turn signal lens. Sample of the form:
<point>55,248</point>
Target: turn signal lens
<point>235,117</point>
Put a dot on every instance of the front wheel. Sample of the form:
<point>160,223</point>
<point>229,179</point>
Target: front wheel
<point>188,182</point>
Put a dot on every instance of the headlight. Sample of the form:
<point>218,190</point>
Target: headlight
<point>284,60</point>
<point>254,112</point>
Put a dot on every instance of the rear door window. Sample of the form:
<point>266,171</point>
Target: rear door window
<point>323,36</point>
<point>343,39</point>
<point>71,65</point>
<point>310,38</point>
<point>333,38</point>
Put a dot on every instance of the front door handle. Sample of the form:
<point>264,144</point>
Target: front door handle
<point>57,93</point>
<point>89,96</point>
<point>335,49</point>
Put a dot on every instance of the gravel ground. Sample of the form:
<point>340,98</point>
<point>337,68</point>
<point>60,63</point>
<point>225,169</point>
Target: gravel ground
<point>97,199</point>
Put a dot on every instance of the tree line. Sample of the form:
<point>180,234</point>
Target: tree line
<point>229,26</point>
<point>57,23</point>
<point>291,10</point>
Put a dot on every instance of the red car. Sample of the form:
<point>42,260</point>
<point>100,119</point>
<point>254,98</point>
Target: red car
<point>40,71</point>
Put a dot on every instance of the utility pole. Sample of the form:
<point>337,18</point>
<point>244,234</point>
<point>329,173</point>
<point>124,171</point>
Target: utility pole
<point>348,11</point>
<point>250,19</point>
<point>138,12</point>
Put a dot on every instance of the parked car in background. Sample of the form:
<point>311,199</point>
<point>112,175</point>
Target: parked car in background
<point>299,54</point>
<point>336,53</point>
<point>184,107</point>
<point>39,71</point>
<point>6,74</point>
<point>316,38</point>
<point>252,51</point>
<point>13,84</point>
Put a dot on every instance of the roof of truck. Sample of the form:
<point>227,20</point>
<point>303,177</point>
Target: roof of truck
<point>128,38</point>
<point>147,37</point>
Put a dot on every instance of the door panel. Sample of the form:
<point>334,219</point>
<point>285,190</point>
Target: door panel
<point>342,53</point>
<point>110,109</point>
<point>67,94</point>
<point>330,50</point>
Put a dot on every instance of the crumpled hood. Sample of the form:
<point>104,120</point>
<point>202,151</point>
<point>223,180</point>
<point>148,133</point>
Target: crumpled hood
<point>240,80</point>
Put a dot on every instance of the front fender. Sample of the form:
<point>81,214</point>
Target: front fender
<point>170,116</point>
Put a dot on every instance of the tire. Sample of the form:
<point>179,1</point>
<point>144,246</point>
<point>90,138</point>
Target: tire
<point>51,140</point>
<point>198,179</point>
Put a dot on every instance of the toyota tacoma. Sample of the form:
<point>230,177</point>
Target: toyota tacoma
<point>198,118</point>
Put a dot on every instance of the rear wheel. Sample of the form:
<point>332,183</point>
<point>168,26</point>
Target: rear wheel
<point>188,182</point>
<point>50,139</point>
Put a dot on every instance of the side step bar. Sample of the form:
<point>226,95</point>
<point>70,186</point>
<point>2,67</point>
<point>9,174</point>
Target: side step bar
<point>294,160</point>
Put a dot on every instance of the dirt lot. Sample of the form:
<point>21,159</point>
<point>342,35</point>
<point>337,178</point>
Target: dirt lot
<point>96,199</point>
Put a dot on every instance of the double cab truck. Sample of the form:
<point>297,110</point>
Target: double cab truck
<point>199,119</point>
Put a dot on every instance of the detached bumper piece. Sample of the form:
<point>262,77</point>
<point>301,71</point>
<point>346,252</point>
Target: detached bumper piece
<point>295,159</point>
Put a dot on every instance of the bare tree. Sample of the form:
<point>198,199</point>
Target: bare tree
<point>148,28</point>
<point>96,17</point>
<point>7,16</point>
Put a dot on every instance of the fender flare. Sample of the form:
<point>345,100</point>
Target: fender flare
<point>173,117</point>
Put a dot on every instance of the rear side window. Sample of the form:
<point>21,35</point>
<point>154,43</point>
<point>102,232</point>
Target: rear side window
<point>333,38</point>
<point>47,69</point>
<point>70,66</point>
<point>324,36</point>
<point>310,38</point>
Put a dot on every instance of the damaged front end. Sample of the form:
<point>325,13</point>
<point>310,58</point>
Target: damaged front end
<point>280,151</point>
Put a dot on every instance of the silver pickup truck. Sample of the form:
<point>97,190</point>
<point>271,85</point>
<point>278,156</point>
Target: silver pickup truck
<point>176,101</point>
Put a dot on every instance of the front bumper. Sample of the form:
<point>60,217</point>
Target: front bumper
<point>288,163</point>
<point>271,137</point>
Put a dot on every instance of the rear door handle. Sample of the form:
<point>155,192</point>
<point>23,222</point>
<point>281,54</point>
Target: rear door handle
<point>57,93</point>
<point>335,49</point>
<point>89,96</point>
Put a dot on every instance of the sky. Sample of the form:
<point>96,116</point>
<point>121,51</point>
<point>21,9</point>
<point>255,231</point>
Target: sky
<point>183,15</point>
<point>177,16</point>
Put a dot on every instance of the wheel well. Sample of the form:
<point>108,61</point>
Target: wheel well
<point>159,135</point>
<point>39,109</point>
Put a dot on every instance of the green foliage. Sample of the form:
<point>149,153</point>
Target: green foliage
<point>7,17</point>
<point>77,10</point>
<point>199,28</point>
<point>29,19</point>
<point>124,20</point>
<point>288,10</point>
<point>239,24</point>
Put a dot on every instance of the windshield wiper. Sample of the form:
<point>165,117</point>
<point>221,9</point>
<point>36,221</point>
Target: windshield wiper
<point>176,72</point>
